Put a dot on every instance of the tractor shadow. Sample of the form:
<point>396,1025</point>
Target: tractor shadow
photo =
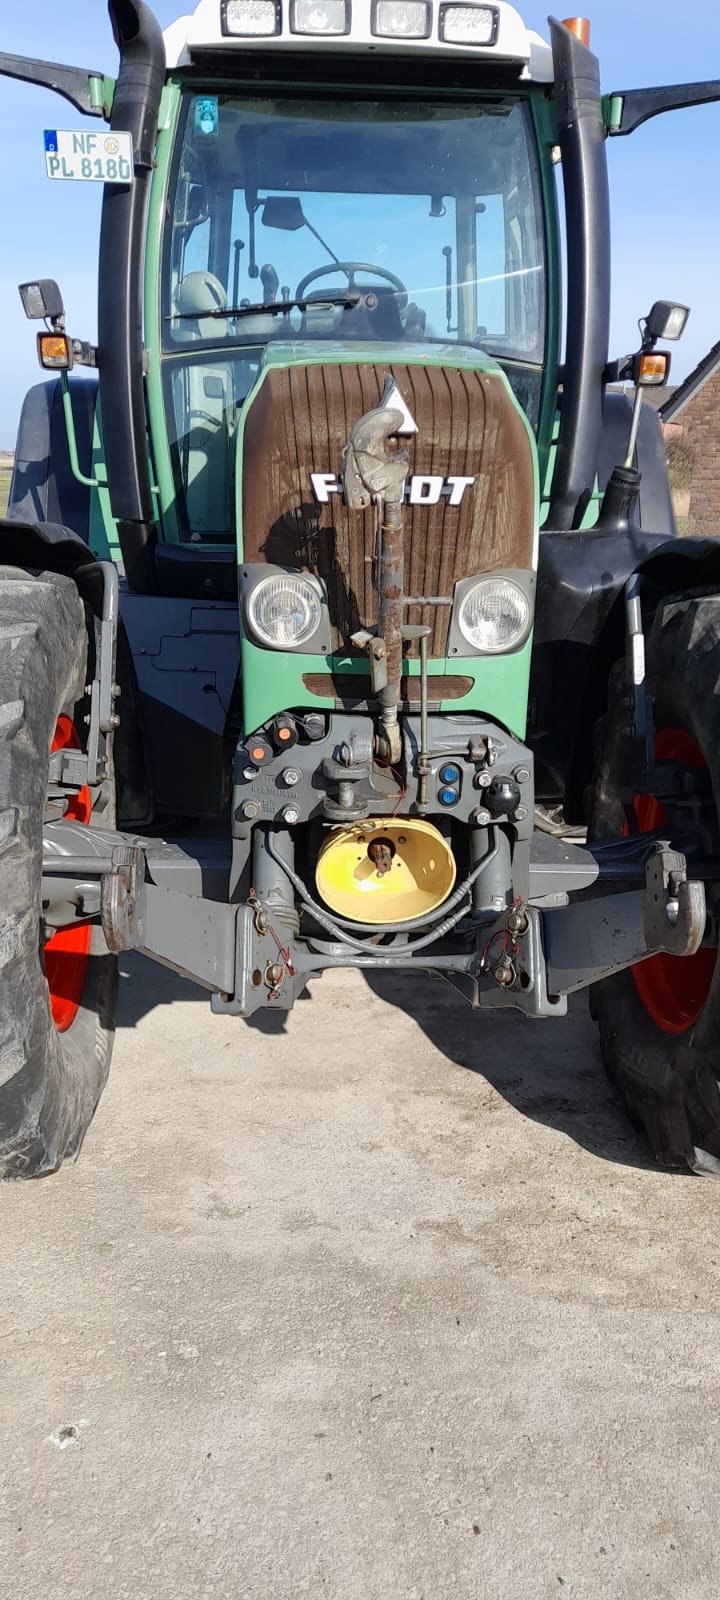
<point>550,1071</point>
<point>146,985</point>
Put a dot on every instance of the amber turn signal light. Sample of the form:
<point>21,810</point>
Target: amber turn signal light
<point>55,352</point>
<point>652,367</point>
<point>580,26</point>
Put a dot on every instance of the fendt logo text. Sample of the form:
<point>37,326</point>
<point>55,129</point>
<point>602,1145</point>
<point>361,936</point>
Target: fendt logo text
<point>419,490</point>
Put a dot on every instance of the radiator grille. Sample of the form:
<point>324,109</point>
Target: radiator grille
<point>298,424</point>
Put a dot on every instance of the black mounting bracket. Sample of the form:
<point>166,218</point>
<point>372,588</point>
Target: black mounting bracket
<point>72,83</point>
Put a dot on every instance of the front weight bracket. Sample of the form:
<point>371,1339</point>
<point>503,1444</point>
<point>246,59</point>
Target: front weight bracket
<point>122,897</point>
<point>675,911</point>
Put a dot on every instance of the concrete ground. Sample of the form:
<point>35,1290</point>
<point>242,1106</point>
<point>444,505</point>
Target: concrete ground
<point>384,1305</point>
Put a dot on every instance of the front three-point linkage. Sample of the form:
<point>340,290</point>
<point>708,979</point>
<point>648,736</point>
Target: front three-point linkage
<point>373,474</point>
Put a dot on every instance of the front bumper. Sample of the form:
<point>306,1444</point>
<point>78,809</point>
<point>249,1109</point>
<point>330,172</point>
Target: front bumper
<point>169,901</point>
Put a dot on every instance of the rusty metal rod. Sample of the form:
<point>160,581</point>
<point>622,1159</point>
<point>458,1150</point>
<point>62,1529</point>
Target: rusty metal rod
<point>423,754</point>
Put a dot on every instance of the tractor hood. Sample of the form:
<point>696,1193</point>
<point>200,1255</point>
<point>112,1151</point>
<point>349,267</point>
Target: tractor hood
<point>471,487</point>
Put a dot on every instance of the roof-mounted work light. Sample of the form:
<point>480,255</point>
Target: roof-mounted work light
<point>323,17</point>
<point>251,19</point>
<point>401,19</point>
<point>466,24</point>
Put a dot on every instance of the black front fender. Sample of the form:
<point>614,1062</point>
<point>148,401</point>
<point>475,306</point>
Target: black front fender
<point>580,632</point>
<point>49,547</point>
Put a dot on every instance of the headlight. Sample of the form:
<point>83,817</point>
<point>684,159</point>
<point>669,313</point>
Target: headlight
<point>285,610</point>
<point>320,16</point>
<point>401,19</point>
<point>467,24</point>
<point>494,615</point>
<point>251,18</point>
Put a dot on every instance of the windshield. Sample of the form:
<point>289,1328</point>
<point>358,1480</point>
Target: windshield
<point>390,222</point>
<point>319,220</point>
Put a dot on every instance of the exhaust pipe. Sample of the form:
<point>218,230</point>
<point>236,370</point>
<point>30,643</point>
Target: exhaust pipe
<point>581,134</point>
<point>136,109</point>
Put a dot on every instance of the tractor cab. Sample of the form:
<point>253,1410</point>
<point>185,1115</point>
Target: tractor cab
<point>382,224</point>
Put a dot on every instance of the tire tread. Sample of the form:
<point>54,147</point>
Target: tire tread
<point>668,1082</point>
<point>50,1083</point>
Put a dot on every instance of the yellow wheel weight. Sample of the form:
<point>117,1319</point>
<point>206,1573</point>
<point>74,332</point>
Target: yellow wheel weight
<point>385,870</point>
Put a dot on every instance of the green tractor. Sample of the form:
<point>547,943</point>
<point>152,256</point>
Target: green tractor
<point>343,620</point>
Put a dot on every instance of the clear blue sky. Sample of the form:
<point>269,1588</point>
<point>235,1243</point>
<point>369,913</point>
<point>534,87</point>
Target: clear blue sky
<point>665,179</point>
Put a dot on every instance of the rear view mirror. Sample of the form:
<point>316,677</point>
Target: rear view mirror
<point>284,212</point>
<point>193,208</point>
<point>197,208</point>
<point>42,299</point>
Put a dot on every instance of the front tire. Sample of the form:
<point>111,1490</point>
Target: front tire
<point>660,1022</point>
<point>55,1036</point>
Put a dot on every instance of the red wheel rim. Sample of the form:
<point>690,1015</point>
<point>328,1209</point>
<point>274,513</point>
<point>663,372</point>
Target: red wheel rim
<point>673,989</point>
<point>66,954</point>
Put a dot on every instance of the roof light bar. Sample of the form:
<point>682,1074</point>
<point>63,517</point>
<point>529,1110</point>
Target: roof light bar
<point>401,19</point>
<point>251,19</point>
<point>467,24</point>
<point>490,28</point>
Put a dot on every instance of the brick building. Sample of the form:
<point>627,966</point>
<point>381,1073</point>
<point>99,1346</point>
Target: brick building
<point>691,423</point>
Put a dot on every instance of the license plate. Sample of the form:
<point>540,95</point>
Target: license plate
<point>89,157</point>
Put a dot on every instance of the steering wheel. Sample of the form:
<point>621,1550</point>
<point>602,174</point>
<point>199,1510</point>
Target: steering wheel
<point>351,268</point>
<point>206,416</point>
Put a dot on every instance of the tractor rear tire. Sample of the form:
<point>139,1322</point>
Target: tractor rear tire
<point>54,1047</point>
<point>660,1021</point>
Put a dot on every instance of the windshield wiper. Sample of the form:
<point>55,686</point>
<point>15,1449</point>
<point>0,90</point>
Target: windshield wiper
<point>347,301</point>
